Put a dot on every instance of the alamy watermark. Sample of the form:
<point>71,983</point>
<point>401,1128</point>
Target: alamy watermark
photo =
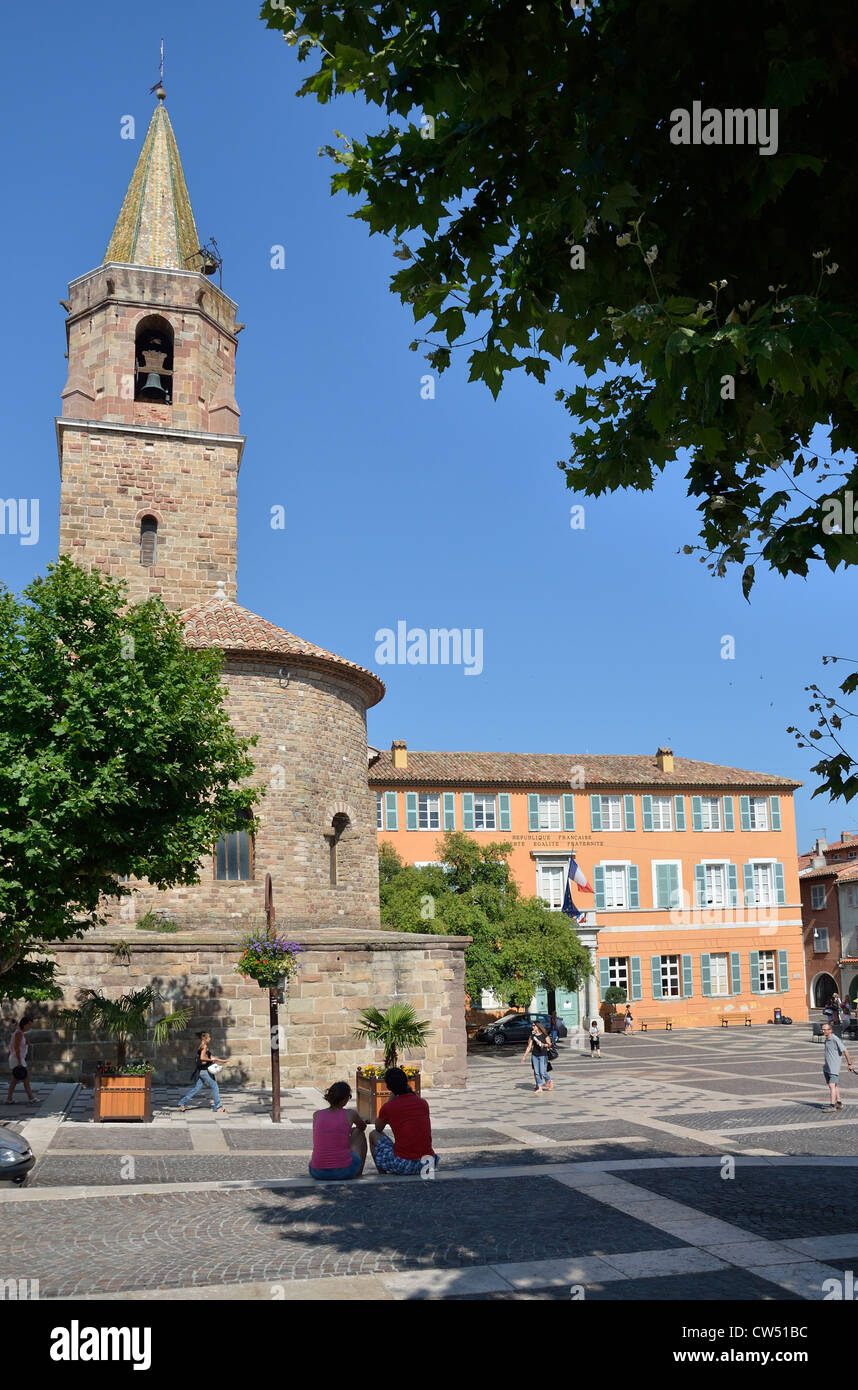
<point>732,126</point>
<point>435,646</point>
<point>14,519</point>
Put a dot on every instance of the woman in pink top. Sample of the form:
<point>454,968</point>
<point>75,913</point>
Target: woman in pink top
<point>339,1142</point>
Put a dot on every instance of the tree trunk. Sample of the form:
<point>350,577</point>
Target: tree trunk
<point>121,1052</point>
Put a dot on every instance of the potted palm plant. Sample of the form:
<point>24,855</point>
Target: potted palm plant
<point>123,1091</point>
<point>614,1022</point>
<point>395,1031</point>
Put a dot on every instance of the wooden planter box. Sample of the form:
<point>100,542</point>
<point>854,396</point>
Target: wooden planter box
<point>372,1094</point>
<point>617,1024</point>
<point>123,1098</point>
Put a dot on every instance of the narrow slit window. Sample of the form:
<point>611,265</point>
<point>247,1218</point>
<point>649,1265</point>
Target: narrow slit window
<point>148,541</point>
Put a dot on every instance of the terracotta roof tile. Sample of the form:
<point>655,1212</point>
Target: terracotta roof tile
<point>221,623</point>
<point>561,770</point>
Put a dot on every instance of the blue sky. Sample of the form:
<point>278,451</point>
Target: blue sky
<point>446,513</point>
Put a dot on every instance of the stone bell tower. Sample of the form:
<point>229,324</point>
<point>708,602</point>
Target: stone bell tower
<point>148,437</point>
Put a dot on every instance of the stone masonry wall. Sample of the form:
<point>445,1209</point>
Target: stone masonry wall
<point>311,759</point>
<point>112,478</point>
<point>342,972</point>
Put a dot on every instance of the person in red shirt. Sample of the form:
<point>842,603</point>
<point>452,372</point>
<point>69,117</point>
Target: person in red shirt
<point>410,1150</point>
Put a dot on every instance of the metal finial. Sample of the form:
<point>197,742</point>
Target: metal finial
<point>158,89</point>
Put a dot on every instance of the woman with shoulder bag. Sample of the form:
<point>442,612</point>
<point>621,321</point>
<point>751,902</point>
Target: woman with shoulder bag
<point>538,1049</point>
<point>204,1070</point>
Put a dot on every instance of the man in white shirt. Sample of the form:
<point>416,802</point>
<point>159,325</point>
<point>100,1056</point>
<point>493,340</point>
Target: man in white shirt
<point>18,1049</point>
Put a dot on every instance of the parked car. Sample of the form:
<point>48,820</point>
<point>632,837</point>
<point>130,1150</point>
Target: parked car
<point>16,1157</point>
<point>515,1028</point>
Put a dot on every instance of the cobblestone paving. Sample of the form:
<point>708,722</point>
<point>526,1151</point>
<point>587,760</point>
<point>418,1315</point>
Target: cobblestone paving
<point>821,1201</point>
<point>122,1138</point>
<point>240,1139</point>
<point>713,1287</point>
<point>186,1239</point>
<point>746,1086</point>
<point>771,1115</point>
<point>833,1137</point>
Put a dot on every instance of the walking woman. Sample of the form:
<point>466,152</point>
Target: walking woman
<point>202,1072</point>
<point>537,1050</point>
<point>339,1140</point>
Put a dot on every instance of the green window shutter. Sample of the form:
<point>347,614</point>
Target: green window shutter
<point>745,812</point>
<point>783,972</point>
<point>449,811</point>
<point>696,813</point>
<point>662,885</point>
<point>410,810</point>
<point>780,888</point>
<point>504,814</point>
<point>748,884</point>
<point>687,978</point>
<point>604,979</point>
<point>729,818</point>
<point>568,813</point>
<point>735,972</point>
<point>700,885</point>
<point>599,888</point>
<point>595,812</point>
<point>629,813</point>
<point>754,961</point>
<point>467,810</point>
<point>646,812</point>
<point>705,976</point>
<point>391,815</point>
<point>655,973</point>
<point>679,812</point>
<point>634,890</point>
<point>533,812</point>
<point>636,977</point>
<point>775,811</point>
<point>732,885</point>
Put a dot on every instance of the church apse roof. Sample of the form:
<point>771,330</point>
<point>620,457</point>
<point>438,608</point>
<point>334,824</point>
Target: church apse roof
<point>235,630</point>
<point>156,224</point>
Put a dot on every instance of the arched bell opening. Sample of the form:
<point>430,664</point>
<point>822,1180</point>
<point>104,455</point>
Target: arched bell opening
<point>153,361</point>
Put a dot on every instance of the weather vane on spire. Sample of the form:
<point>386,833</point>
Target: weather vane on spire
<point>159,85</point>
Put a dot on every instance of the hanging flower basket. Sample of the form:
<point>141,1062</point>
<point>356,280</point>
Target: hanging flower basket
<point>268,959</point>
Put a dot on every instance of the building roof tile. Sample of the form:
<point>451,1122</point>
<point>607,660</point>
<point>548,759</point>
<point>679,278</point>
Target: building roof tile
<point>221,623</point>
<point>563,770</point>
<point>155,226</point>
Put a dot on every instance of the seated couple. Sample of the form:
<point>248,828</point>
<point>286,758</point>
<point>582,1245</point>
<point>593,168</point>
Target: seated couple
<point>339,1142</point>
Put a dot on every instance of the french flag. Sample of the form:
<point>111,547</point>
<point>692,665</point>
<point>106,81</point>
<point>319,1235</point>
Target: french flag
<point>575,876</point>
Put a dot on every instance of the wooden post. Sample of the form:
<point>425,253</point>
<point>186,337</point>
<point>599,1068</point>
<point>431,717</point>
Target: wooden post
<point>273,1021</point>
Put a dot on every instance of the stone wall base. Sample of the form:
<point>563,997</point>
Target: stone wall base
<point>343,971</point>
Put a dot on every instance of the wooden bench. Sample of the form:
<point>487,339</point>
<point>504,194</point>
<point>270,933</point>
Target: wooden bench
<point>645,1022</point>
<point>727,1019</point>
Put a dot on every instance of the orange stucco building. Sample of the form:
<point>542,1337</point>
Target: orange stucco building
<point>696,910</point>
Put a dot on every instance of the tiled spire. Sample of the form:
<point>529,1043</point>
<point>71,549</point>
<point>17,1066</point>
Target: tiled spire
<point>156,224</point>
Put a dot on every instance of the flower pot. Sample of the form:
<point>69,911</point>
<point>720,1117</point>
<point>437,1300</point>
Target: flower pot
<point>123,1098</point>
<point>372,1093</point>
<point>617,1024</point>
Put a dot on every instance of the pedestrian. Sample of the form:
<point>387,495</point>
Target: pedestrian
<point>204,1070</point>
<point>595,1049</point>
<point>828,1009</point>
<point>836,1005</point>
<point>628,1026</point>
<point>18,1049</point>
<point>553,1029</point>
<point>410,1150</point>
<point>538,1046</point>
<point>339,1138</point>
<point>834,1051</point>
<point>846,1017</point>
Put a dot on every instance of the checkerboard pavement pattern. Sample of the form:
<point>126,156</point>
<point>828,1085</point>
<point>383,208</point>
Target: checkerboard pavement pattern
<point>682,1166</point>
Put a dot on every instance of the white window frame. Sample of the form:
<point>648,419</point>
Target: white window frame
<point>771,973</point>
<point>669,964</point>
<point>550,860</point>
<point>610,800</point>
<point>817,889</point>
<point>656,906</point>
<point>482,799</point>
<point>548,804</point>
<point>720,956</point>
<point>625,865</point>
<point>761,803</point>
<point>379,802</point>
<point>552,872</point>
<point>427,797</point>
<point>723,865</point>
<point>668,801</point>
<point>620,974</point>
<point>770,865</point>
<point>711,802</point>
<point>818,946</point>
